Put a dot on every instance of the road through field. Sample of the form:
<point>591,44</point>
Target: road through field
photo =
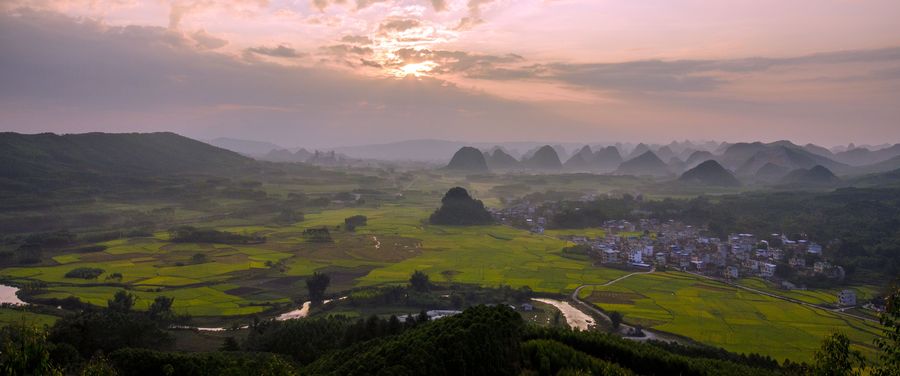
<point>623,328</point>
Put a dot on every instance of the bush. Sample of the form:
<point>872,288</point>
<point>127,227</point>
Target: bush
<point>351,223</point>
<point>84,273</point>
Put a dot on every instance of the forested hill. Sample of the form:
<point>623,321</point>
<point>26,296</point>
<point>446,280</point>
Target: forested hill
<point>48,154</point>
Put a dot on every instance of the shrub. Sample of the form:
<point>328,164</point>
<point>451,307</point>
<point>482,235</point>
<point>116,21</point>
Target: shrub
<point>84,273</point>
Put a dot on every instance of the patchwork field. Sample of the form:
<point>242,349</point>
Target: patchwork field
<point>720,315</point>
<point>233,280</point>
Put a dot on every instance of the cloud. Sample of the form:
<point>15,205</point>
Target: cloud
<point>398,25</point>
<point>439,5</point>
<point>279,51</point>
<point>470,64</point>
<point>57,74</point>
<point>207,41</point>
<point>357,39</point>
<point>474,17</point>
<point>675,75</point>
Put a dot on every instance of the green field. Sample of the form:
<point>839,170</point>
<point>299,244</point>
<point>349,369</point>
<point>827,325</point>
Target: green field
<point>817,296</point>
<point>395,243</point>
<point>720,315</point>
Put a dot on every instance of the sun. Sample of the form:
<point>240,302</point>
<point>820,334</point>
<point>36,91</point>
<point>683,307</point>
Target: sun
<point>416,69</point>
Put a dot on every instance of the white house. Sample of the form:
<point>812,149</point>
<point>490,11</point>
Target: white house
<point>814,249</point>
<point>636,257</point>
<point>767,269</point>
<point>847,298</point>
<point>731,272</point>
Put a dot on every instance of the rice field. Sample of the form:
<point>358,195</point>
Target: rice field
<point>719,315</point>
<point>396,242</point>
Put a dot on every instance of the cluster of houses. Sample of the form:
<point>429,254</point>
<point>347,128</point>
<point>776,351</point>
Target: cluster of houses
<point>675,245</point>
<point>671,244</point>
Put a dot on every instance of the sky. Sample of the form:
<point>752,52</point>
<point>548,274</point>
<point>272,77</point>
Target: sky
<point>323,73</point>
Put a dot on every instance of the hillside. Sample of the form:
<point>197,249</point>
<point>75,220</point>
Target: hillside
<point>784,153</point>
<point>581,161</point>
<point>710,173</point>
<point>863,156</point>
<point>468,158</point>
<point>245,147</point>
<point>130,154</point>
<point>607,159</point>
<point>645,164</point>
<point>698,157</point>
<point>638,150</point>
<point>883,166</point>
<point>499,160</point>
<point>817,175</point>
<point>771,172</point>
<point>544,158</point>
<point>284,155</point>
<point>460,209</point>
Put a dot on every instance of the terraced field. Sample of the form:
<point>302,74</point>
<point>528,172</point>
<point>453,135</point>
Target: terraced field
<point>720,315</point>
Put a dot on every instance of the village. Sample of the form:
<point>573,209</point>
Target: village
<point>672,245</point>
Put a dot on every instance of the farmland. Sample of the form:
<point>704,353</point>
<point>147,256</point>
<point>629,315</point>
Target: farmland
<point>238,280</point>
<point>719,315</point>
<point>223,284</point>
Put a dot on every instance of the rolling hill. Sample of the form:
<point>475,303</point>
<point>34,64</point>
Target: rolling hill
<point>582,160</point>
<point>500,160</point>
<point>710,173</point>
<point>469,159</point>
<point>129,154</point>
<point>645,164</point>
<point>607,159</point>
<point>544,158</point>
<point>817,176</point>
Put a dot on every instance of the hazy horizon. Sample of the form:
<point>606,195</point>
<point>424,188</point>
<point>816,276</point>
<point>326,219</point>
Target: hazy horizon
<point>323,74</point>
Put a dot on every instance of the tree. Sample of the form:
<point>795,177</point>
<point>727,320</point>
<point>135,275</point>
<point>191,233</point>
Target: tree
<point>122,301</point>
<point>889,345</point>
<point>24,350</point>
<point>351,223</point>
<point>419,281</point>
<point>616,318</point>
<point>230,344</point>
<point>161,309</point>
<point>423,317</point>
<point>198,258</point>
<point>98,366</point>
<point>557,318</point>
<point>317,284</point>
<point>835,358</point>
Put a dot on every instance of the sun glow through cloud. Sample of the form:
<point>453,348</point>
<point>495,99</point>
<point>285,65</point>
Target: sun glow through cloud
<point>417,69</point>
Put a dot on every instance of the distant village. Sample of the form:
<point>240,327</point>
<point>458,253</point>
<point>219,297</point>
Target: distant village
<point>650,243</point>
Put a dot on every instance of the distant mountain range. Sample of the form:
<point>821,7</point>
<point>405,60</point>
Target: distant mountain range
<point>710,173</point>
<point>245,147</point>
<point>724,165</point>
<point>713,164</point>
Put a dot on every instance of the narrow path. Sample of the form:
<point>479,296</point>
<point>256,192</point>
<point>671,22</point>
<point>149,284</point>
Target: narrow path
<point>623,328</point>
<point>838,311</point>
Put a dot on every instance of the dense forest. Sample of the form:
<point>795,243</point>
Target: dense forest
<point>861,227</point>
